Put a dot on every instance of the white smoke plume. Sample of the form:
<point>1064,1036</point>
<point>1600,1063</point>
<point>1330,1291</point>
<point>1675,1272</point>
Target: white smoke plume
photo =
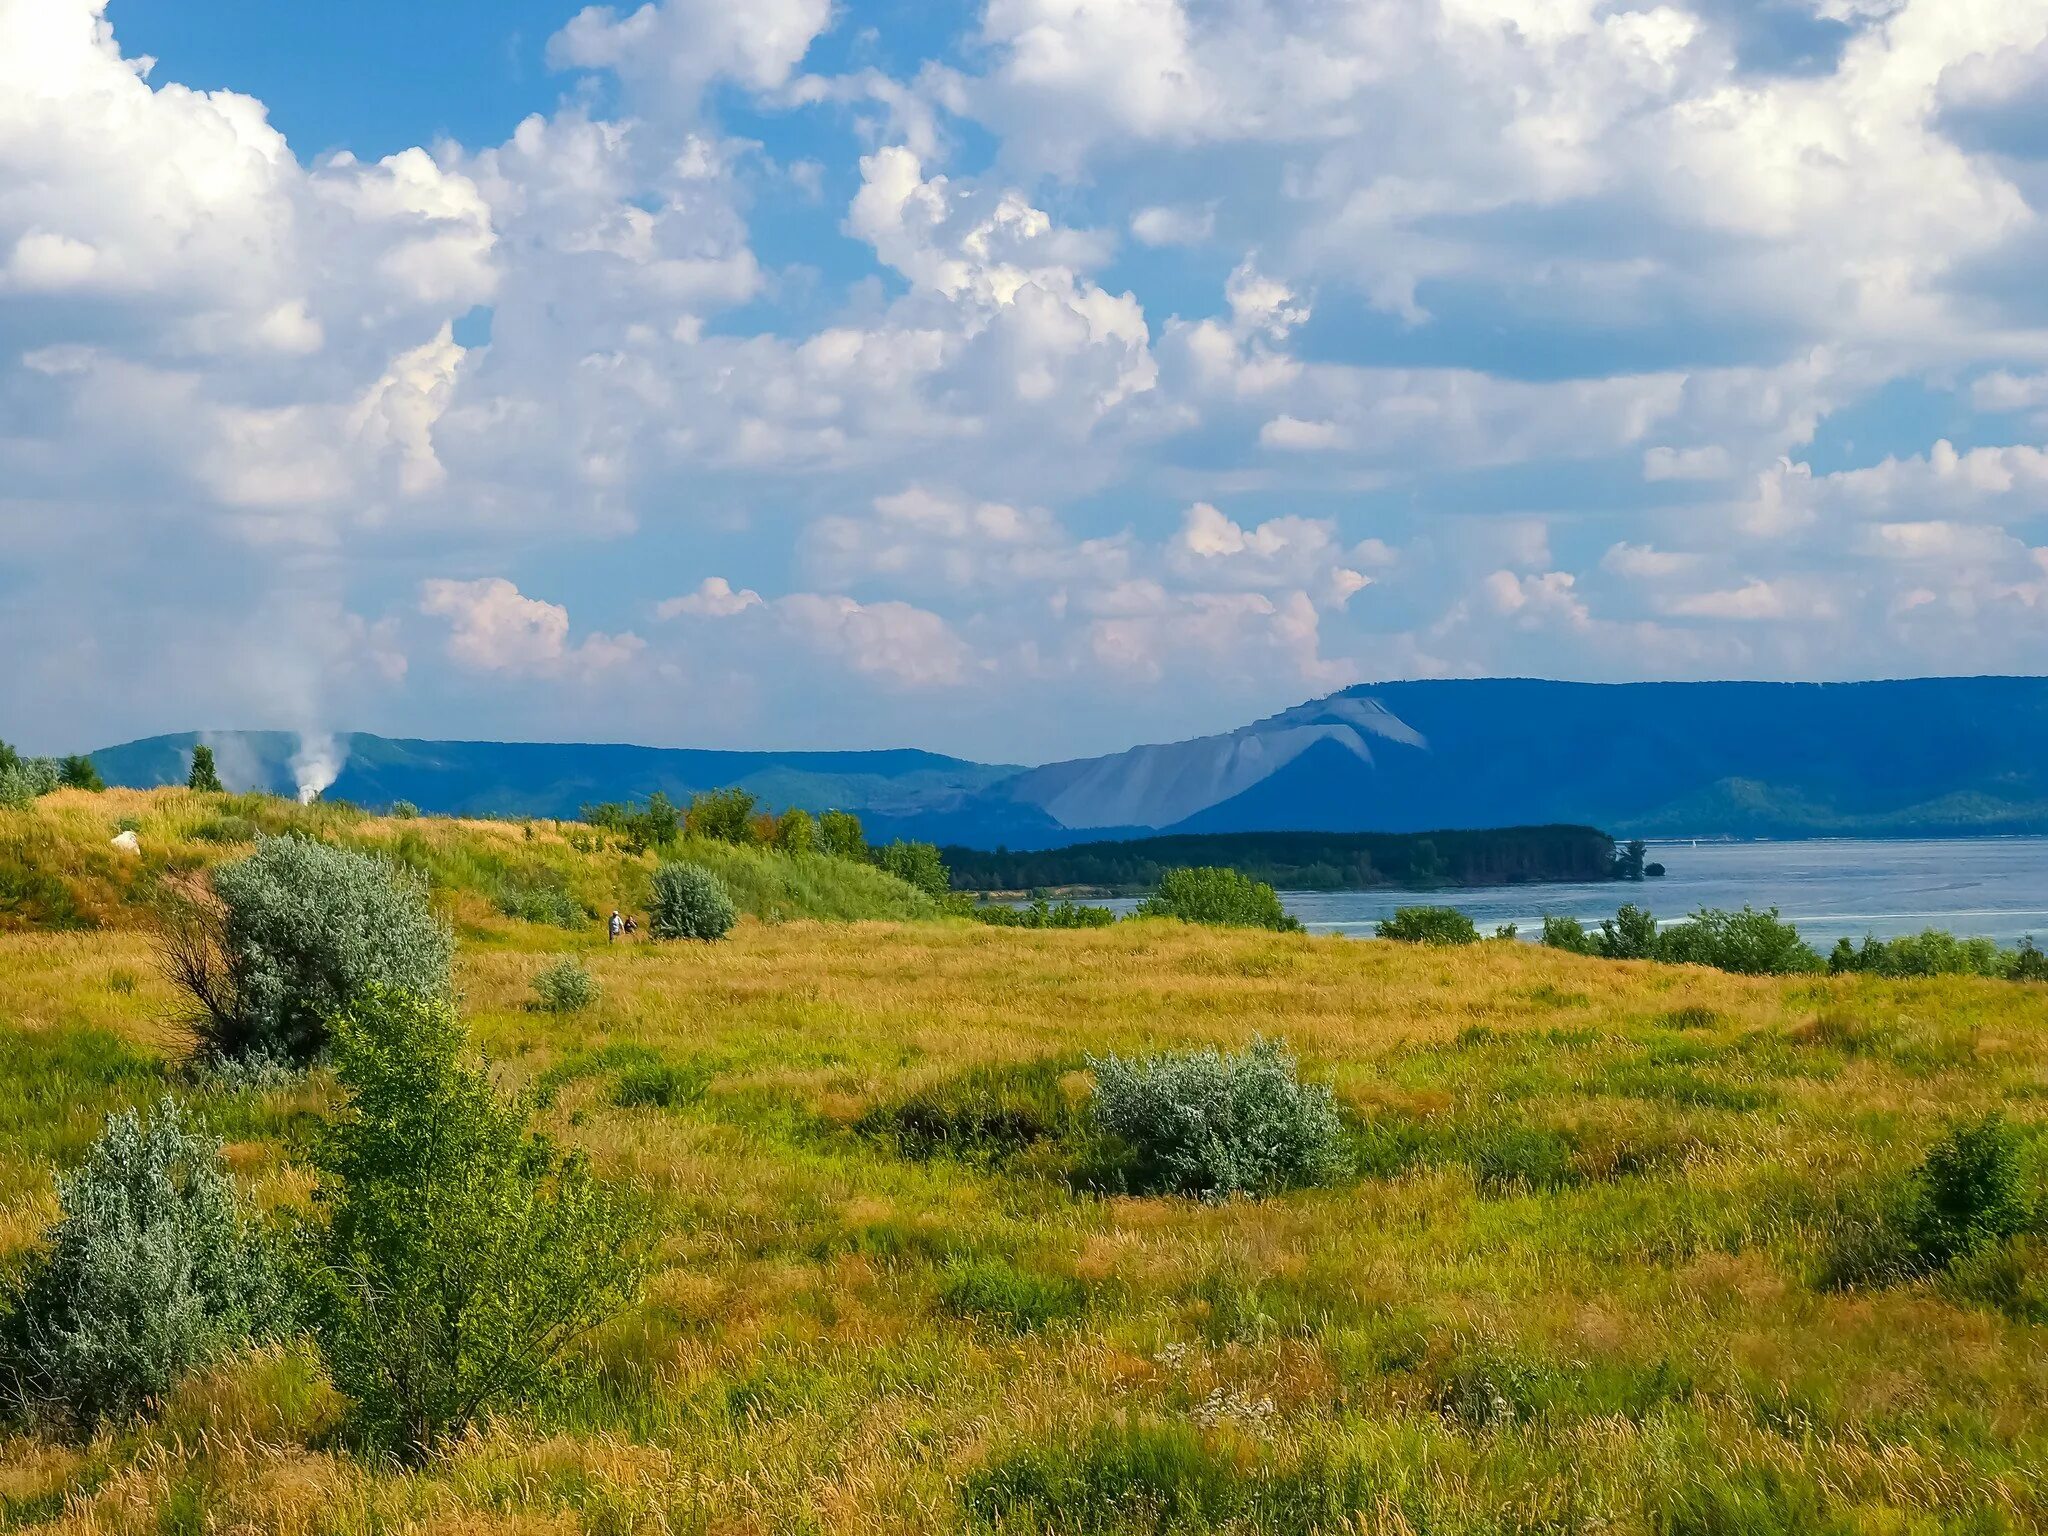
<point>238,766</point>
<point>317,764</point>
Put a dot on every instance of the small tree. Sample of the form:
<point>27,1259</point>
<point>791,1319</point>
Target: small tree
<point>1631,934</point>
<point>1628,859</point>
<point>1429,925</point>
<point>152,1272</point>
<point>204,777</point>
<point>722,815</point>
<point>293,934</point>
<point>842,835</point>
<point>1567,933</point>
<point>689,902</point>
<point>463,1258</point>
<point>796,831</point>
<point>1223,897</point>
<point>80,772</point>
<point>916,864</point>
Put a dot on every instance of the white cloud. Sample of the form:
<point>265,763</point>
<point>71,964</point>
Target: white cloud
<point>494,627</point>
<point>1709,462</point>
<point>713,599</point>
<point>1301,436</point>
<point>903,646</point>
<point>1156,225</point>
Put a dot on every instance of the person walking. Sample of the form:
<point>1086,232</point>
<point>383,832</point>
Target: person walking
<point>618,926</point>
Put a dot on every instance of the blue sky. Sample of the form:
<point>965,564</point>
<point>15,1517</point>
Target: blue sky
<point>1021,378</point>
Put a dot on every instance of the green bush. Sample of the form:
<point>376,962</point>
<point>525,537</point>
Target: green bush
<point>1210,1124</point>
<point>796,831</point>
<point>1223,897</point>
<point>1429,925</point>
<point>842,836</point>
<point>1969,1191</point>
<point>1938,953</point>
<point>463,1258</point>
<point>689,902</point>
<point>724,815</point>
<point>1749,943</point>
<point>1043,914</point>
<point>152,1272</point>
<point>917,865</point>
<point>1631,934</point>
<point>300,931</point>
<point>565,987</point>
<point>1964,1202</point>
<point>404,810</point>
<point>1567,933</point>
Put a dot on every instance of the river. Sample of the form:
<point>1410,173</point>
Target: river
<point>1995,886</point>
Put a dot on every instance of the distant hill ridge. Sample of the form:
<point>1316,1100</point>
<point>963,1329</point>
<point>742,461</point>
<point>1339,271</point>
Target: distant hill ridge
<point>1918,757</point>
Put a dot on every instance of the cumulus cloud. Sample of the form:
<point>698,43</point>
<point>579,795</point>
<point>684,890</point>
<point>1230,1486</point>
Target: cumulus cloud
<point>494,627</point>
<point>713,599</point>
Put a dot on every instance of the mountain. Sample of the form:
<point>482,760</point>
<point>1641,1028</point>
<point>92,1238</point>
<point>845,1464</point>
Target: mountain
<point>486,778</point>
<point>1925,756</point>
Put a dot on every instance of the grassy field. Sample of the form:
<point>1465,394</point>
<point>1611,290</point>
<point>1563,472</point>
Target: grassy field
<point>1579,1279</point>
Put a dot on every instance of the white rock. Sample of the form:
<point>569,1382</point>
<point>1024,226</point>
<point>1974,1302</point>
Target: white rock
<point>128,842</point>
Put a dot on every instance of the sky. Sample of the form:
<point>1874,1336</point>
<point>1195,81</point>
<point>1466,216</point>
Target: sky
<point>1021,379</point>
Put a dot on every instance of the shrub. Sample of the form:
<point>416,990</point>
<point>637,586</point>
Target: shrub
<point>80,772</point>
<point>1631,934</point>
<point>1567,933</point>
<point>296,932</point>
<point>565,987</point>
<point>917,865</point>
<point>1964,1201</point>
<point>16,792</point>
<point>1043,914</point>
<point>462,1258</point>
<point>204,777</point>
<point>796,831</point>
<point>1749,942</point>
<point>1209,1124</point>
<point>689,902</point>
<point>1936,952</point>
<point>1429,925</point>
<point>404,810</point>
<point>1969,1191</point>
<point>842,836</point>
<point>722,815</point>
<point>152,1272</point>
<point>1218,896</point>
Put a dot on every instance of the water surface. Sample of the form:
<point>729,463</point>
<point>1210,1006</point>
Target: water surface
<point>1831,888</point>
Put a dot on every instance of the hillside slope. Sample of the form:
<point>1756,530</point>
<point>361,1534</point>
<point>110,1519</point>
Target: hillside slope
<point>58,868</point>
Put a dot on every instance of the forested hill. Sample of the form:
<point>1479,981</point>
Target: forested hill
<point>1302,861</point>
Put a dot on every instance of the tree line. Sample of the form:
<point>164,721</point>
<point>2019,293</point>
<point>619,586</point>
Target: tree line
<point>1306,861</point>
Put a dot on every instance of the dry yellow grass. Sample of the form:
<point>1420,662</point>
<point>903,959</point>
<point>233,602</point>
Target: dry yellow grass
<point>1636,1344</point>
